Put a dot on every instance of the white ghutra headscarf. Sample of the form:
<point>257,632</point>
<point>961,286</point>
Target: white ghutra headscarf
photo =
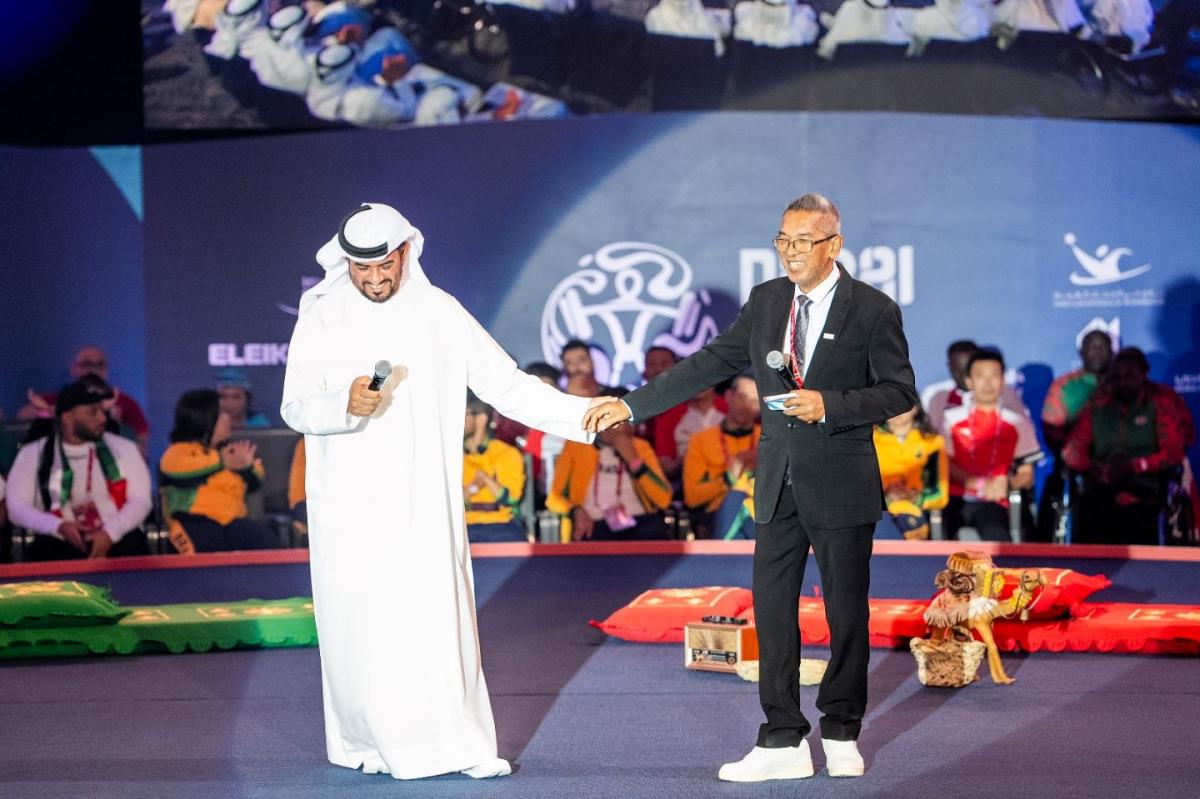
<point>368,233</point>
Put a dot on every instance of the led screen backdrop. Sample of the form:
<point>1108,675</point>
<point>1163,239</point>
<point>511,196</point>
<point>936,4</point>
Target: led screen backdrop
<point>643,229</point>
<point>282,64</point>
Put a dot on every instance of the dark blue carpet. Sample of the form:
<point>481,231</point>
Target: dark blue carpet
<point>584,716</point>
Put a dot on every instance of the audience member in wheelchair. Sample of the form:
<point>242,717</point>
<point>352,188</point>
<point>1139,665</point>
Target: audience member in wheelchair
<point>1127,444</point>
<point>614,489</point>
<point>719,457</point>
<point>81,490</point>
<point>992,449</point>
<point>915,471</point>
<point>493,479</point>
<point>205,478</point>
<point>1065,400</point>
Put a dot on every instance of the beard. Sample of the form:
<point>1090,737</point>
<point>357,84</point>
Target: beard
<point>389,291</point>
<point>85,433</point>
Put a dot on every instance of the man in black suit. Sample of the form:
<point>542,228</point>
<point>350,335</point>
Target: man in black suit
<point>817,481</point>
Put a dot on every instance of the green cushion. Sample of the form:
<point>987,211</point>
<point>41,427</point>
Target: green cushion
<point>57,604</point>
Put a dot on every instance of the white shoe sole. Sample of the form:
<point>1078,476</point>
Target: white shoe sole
<point>795,773</point>
<point>846,771</point>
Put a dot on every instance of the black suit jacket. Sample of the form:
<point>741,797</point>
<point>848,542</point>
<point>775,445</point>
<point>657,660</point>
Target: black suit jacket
<point>861,368</point>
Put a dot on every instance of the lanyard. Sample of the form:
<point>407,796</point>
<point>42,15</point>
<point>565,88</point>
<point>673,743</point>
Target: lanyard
<point>91,459</point>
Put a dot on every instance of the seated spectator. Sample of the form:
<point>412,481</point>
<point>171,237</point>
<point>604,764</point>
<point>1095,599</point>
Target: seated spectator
<point>864,21</point>
<point>1127,442</point>
<point>341,89</point>
<point>953,20</point>
<point>992,449</point>
<point>1133,19</point>
<point>1065,400</point>
<point>122,408</point>
<point>493,479</point>
<point>1049,16</point>
<point>612,490</point>
<point>660,430</point>
<point>580,370</point>
<point>205,479</point>
<point>237,401</point>
<point>775,23</point>
<point>719,456</point>
<point>690,19</point>
<point>915,471</point>
<point>239,28</point>
<point>81,491</point>
<point>704,410</point>
<point>1069,393</point>
<point>544,448</point>
<point>297,491</point>
<point>278,61</point>
<point>954,392</point>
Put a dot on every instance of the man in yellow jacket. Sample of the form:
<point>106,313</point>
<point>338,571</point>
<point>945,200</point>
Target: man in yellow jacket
<point>718,469</point>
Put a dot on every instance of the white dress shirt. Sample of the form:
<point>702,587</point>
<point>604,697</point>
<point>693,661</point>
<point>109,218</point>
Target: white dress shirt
<point>818,312</point>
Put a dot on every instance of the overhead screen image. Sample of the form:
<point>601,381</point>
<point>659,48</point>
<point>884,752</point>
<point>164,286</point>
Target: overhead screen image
<point>278,64</point>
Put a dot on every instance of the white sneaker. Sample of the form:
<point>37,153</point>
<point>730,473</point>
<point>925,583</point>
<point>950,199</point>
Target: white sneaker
<point>842,758</point>
<point>496,767</point>
<point>785,763</point>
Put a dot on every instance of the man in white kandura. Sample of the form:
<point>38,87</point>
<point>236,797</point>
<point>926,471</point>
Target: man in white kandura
<point>393,589</point>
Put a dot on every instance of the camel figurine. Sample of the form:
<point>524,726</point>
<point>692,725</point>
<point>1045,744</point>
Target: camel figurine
<point>971,584</point>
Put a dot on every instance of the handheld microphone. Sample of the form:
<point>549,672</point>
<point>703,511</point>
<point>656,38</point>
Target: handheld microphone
<point>383,370</point>
<point>776,361</point>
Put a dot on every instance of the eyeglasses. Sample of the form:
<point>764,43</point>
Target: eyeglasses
<point>784,244</point>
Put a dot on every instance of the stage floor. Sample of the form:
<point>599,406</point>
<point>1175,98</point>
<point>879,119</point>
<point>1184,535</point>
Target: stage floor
<point>586,716</point>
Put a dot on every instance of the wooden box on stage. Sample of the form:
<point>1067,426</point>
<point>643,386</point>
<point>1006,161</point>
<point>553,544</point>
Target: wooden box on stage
<point>718,646</point>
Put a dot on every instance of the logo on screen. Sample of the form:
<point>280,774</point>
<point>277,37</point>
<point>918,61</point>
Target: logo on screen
<point>624,298</point>
<point>1101,267</point>
<point>889,269</point>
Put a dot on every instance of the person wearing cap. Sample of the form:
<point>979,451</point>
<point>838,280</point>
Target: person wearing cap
<point>383,482</point>
<point>82,491</point>
<point>237,401</point>
<point>122,409</point>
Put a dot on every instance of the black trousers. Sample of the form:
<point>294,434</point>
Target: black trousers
<point>48,547</point>
<point>210,536</point>
<point>844,557</point>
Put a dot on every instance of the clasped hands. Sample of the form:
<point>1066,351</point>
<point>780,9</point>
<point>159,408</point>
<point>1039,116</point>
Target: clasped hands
<point>92,540</point>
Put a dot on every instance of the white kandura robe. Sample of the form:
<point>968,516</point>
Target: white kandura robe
<point>403,688</point>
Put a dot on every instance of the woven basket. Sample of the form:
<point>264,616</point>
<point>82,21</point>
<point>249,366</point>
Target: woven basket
<point>949,663</point>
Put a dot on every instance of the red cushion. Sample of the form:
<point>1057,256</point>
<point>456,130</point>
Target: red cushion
<point>1064,589</point>
<point>659,615</point>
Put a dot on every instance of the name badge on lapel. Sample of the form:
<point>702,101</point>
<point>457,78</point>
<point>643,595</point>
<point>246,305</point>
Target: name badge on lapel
<point>827,336</point>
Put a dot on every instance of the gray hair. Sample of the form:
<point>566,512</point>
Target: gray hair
<point>831,219</point>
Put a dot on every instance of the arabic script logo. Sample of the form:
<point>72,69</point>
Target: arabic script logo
<point>1103,267</point>
<point>624,297</point>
